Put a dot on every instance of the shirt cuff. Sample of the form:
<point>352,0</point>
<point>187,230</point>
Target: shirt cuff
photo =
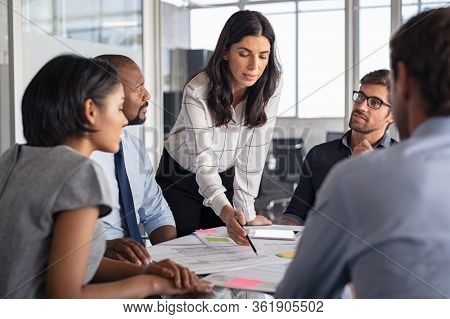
<point>219,202</point>
<point>250,214</point>
<point>293,218</point>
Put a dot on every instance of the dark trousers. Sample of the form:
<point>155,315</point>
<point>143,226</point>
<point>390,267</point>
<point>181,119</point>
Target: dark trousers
<point>180,189</point>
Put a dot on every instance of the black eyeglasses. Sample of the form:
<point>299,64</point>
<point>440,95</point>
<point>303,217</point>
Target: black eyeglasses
<point>372,101</point>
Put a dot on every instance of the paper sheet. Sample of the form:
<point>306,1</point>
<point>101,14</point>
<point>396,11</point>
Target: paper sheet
<point>215,239</point>
<point>213,257</point>
<point>278,227</point>
<point>207,259</point>
<point>264,278</point>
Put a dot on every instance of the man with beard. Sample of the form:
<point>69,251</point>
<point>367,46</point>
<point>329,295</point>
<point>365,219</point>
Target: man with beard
<point>370,119</point>
<point>138,199</point>
<point>382,221</point>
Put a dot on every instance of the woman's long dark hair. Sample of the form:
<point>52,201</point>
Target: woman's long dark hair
<point>241,24</point>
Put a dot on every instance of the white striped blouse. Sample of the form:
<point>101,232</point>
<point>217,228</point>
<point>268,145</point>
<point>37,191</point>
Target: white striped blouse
<point>200,147</point>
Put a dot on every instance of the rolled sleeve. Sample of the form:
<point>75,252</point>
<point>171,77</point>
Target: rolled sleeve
<point>219,202</point>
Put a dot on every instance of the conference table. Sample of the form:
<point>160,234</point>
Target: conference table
<point>236,271</point>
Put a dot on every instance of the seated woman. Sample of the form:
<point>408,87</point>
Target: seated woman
<point>52,194</point>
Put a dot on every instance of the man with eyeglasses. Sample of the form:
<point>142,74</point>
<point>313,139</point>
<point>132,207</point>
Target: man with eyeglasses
<point>136,195</point>
<point>383,221</point>
<point>369,121</point>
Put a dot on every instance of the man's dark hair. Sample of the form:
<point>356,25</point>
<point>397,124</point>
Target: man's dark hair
<point>239,25</point>
<point>423,45</point>
<point>53,102</point>
<point>378,77</point>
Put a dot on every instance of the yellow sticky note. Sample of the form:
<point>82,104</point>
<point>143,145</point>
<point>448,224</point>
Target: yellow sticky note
<point>287,254</point>
<point>217,239</point>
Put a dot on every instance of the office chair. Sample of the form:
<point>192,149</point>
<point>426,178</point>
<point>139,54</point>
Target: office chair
<point>288,154</point>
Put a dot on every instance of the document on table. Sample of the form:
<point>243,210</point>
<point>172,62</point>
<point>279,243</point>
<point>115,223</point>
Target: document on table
<point>219,236</point>
<point>215,240</point>
<point>204,259</point>
<point>261,278</point>
<point>278,227</point>
<point>216,256</point>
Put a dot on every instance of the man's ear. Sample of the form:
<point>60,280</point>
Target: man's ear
<point>403,82</point>
<point>90,111</point>
<point>390,117</point>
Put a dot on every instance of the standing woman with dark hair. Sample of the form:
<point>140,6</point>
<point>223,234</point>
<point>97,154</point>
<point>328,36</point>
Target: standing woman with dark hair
<point>216,151</point>
<point>52,194</point>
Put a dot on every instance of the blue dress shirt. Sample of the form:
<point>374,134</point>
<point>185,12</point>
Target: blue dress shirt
<point>151,208</point>
<point>382,221</point>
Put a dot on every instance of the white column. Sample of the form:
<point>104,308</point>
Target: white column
<point>15,69</point>
<point>351,55</point>
<point>153,133</point>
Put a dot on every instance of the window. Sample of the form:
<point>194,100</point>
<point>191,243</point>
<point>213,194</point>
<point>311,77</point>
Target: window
<point>214,19</point>
<point>301,42</point>
<point>375,31</point>
<point>321,59</point>
<point>311,44</point>
<point>114,22</point>
<point>412,7</point>
<point>282,18</point>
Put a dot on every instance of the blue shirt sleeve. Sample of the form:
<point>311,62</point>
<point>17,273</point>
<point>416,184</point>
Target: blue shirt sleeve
<point>154,212</point>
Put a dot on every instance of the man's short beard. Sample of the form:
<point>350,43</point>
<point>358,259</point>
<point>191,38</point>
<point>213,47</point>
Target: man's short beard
<point>359,129</point>
<point>138,120</point>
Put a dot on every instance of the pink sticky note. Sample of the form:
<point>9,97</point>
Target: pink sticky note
<point>207,231</point>
<point>242,283</point>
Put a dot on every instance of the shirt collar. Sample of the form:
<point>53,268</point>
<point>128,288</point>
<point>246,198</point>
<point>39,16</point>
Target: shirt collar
<point>238,113</point>
<point>439,125</point>
<point>383,143</point>
<point>344,140</point>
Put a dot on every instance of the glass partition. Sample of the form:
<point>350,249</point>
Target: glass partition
<point>112,22</point>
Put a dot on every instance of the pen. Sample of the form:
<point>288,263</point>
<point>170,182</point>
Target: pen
<point>249,240</point>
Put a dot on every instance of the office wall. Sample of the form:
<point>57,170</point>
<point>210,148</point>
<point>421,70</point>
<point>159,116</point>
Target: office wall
<point>175,26</point>
<point>38,49</point>
<point>43,47</point>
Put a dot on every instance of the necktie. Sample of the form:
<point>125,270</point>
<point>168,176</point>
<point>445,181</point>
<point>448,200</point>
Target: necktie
<point>126,197</point>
